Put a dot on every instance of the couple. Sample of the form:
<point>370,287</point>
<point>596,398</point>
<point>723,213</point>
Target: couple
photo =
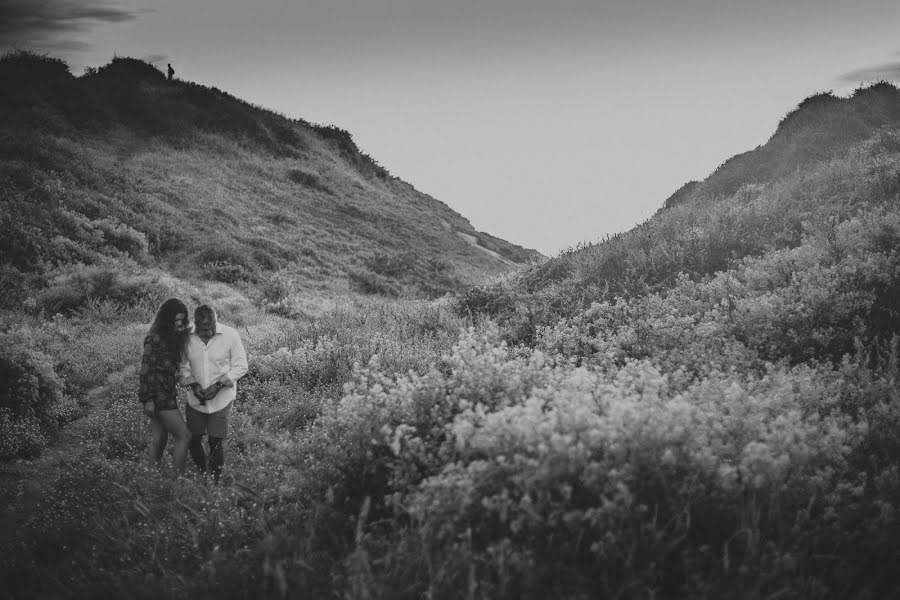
<point>208,359</point>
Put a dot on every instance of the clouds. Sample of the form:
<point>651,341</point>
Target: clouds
<point>55,24</point>
<point>884,72</point>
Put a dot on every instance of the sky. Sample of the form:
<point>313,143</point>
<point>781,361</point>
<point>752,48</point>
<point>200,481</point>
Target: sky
<point>547,124</point>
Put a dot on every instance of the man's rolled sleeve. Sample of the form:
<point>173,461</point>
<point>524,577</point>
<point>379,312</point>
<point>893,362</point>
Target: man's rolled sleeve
<point>238,359</point>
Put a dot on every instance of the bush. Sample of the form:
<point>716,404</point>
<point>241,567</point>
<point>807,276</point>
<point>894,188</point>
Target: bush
<point>228,262</point>
<point>123,238</point>
<point>130,68</point>
<point>71,291</point>
<point>430,277</point>
<point>313,363</point>
<point>21,69</point>
<point>17,286</point>
<point>493,301</point>
<point>31,397</point>
<point>29,383</point>
<point>20,436</point>
<point>275,289</point>
<point>349,150</point>
<point>227,272</point>
<point>309,180</point>
<point>533,477</point>
<point>366,282</point>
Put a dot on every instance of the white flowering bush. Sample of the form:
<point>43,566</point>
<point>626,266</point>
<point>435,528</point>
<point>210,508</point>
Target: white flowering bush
<point>503,454</point>
<point>32,404</point>
<point>312,362</point>
<point>804,303</point>
<point>20,436</point>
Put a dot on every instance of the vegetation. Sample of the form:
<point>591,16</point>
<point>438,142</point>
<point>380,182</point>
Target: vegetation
<point>705,406</point>
<point>122,167</point>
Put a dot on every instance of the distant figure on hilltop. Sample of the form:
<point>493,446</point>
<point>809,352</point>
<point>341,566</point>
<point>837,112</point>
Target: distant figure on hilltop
<point>171,71</point>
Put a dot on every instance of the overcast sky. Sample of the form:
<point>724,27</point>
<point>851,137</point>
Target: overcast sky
<point>544,123</point>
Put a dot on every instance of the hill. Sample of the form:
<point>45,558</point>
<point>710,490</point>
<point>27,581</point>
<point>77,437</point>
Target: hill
<point>831,161</point>
<point>120,167</point>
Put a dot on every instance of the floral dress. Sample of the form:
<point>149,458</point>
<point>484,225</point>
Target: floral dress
<point>158,375</point>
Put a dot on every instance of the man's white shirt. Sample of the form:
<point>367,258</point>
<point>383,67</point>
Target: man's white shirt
<point>223,355</point>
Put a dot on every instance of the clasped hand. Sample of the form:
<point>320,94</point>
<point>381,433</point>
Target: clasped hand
<point>204,394</point>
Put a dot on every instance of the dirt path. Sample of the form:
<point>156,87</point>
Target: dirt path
<point>24,481</point>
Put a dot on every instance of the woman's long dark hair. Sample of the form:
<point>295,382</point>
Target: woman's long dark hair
<point>164,326</point>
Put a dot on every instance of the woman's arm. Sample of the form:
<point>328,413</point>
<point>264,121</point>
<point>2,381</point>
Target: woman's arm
<point>148,364</point>
<point>149,361</point>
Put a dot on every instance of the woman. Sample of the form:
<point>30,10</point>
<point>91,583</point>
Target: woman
<point>163,350</point>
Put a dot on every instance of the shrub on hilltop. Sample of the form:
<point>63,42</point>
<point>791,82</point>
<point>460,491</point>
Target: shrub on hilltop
<point>130,68</point>
<point>350,151</point>
<point>21,69</point>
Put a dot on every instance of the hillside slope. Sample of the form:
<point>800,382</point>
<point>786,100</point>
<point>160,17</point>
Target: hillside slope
<point>122,165</point>
<point>832,163</point>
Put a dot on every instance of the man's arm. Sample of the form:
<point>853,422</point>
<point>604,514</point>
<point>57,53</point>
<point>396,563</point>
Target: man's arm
<point>186,378</point>
<point>238,362</point>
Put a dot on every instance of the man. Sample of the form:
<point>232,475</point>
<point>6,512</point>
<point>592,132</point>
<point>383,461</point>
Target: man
<point>170,71</point>
<point>215,361</point>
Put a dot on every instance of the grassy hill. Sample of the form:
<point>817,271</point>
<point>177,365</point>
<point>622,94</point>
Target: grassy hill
<point>831,161</point>
<point>705,406</point>
<point>121,167</point>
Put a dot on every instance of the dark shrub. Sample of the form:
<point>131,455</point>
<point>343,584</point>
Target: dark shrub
<point>351,152</point>
<point>227,272</point>
<point>24,76</point>
<point>29,391</point>
<point>124,238</point>
<point>28,383</point>
<point>220,250</point>
<point>130,68</point>
<point>491,301</point>
<point>367,282</point>
<point>74,290</point>
<point>434,277</point>
<point>391,265</point>
<point>230,262</point>
<point>309,180</point>
<point>16,286</point>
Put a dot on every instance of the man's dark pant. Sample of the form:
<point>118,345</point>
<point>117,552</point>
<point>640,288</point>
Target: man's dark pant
<point>215,425</point>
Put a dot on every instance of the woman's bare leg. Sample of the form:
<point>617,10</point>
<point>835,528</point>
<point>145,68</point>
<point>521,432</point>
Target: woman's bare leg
<point>158,439</point>
<point>175,425</point>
